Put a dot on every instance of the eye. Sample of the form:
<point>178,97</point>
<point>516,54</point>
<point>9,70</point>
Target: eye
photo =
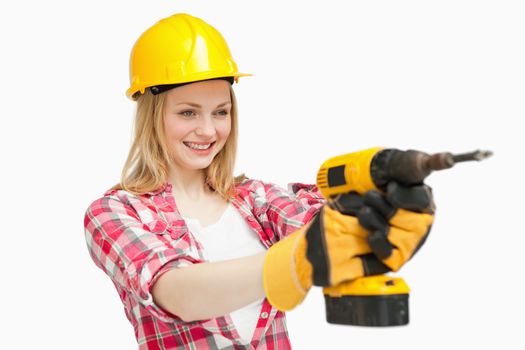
<point>187,113</point>
<point>222,112</point>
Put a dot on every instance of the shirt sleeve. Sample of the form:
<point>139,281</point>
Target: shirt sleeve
<point>130,253</point>
<point>289,210</point>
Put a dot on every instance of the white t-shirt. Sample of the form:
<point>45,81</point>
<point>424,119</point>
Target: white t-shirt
<point>229,238</point>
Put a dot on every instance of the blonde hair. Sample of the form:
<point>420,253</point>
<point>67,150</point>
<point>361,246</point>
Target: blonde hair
<point>146,168</point>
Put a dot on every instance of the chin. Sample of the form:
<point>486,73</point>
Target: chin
<point>198,165</point>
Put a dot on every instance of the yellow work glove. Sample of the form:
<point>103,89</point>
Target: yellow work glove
<point>399,222</point>
<point>332,248</point>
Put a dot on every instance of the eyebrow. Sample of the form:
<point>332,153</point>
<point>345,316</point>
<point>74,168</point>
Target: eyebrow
<point>199,106</point>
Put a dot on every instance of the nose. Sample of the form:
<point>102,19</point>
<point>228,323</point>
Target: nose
<point>206,127</point>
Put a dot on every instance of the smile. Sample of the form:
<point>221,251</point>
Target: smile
<point>199,146</point>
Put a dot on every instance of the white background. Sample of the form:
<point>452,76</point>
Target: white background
<point>329,77</point>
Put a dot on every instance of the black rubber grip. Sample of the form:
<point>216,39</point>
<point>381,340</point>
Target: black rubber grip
<point>372,265</point>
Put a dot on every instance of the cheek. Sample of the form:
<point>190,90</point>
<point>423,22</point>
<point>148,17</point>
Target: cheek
<point>224,129</point>
<point>173,130</point>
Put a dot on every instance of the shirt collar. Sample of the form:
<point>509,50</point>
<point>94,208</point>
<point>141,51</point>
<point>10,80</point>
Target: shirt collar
<point>165,187</point>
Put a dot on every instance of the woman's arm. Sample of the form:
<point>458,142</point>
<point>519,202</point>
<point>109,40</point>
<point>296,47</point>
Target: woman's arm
<point>208,290</point>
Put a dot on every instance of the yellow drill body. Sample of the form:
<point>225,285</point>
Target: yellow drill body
<point>346,173</point>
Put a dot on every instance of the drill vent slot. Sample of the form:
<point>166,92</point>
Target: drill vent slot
<point>322,179</point>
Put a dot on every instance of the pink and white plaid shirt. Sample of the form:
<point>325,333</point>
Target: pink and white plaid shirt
<point>134,239</point>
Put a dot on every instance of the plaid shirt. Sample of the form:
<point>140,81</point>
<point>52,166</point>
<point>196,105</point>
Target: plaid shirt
<point>134,239</point>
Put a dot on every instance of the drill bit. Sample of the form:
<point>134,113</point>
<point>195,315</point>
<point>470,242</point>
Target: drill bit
<point>476,155</point>
<point>446,160</point>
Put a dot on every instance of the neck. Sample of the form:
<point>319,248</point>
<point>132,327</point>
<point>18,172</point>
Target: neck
<point>188,183</point>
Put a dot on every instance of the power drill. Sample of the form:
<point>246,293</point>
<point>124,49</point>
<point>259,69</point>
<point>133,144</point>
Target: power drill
<point>377,301</point>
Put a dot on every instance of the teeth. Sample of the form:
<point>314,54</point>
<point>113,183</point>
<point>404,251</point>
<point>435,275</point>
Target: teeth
<point>196,146</point>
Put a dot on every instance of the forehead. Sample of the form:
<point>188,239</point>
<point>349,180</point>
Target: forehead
<point>203,91</point>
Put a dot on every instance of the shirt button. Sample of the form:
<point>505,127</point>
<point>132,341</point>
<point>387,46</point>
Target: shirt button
<point>264,315</point>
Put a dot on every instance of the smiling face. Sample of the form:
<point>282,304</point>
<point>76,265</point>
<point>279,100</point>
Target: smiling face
<point>197,122</point>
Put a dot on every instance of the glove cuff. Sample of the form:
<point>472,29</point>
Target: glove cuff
<point>287,274</point>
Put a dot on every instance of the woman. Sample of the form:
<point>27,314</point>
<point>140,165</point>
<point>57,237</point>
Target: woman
<point>199,258</point>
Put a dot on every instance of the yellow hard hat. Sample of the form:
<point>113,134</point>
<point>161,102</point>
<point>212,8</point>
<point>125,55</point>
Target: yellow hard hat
<point>179,49</point>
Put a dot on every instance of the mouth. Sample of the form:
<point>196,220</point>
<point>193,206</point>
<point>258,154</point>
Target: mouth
<point>198,146</point>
